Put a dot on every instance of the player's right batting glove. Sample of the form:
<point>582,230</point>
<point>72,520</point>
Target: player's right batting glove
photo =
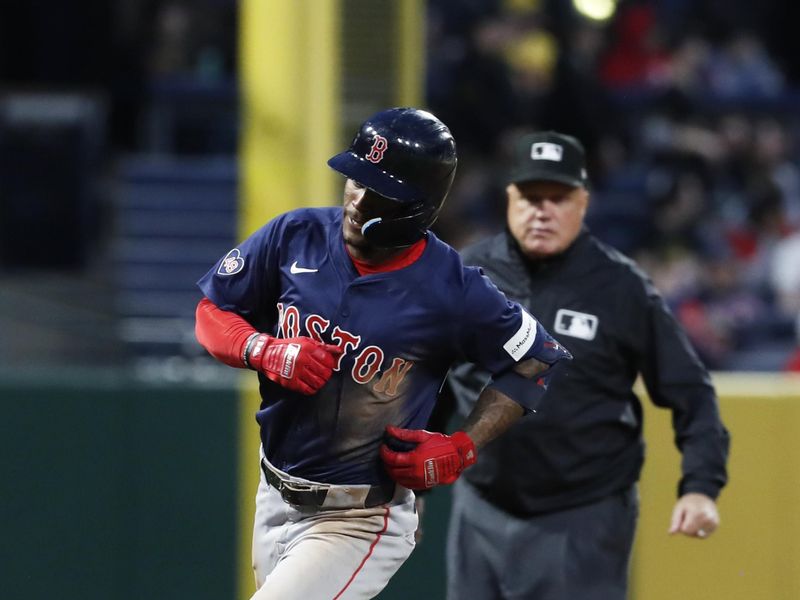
<point>300,364</point>
<point>437,458</point>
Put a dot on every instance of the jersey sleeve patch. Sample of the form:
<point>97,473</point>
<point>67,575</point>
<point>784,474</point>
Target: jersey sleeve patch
<point>523,339</point>
<point>232,263</point>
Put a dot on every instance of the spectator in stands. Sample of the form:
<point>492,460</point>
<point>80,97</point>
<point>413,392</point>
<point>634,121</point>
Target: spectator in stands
<point>742,67</point>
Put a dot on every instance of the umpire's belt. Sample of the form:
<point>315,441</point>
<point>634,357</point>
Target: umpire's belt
<point>307,494</point>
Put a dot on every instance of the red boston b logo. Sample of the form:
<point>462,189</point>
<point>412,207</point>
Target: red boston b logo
<point>379,146</point>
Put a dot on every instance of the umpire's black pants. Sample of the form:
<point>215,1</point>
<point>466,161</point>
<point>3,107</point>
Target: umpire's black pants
<point>580,553</point>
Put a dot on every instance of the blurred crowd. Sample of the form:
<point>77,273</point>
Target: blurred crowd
<point>139,54</point>
<point>689,112</point>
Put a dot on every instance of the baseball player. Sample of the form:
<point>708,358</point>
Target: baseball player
<point>352,317</point>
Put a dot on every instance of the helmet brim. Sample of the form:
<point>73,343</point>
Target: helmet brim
<point>373,177</point>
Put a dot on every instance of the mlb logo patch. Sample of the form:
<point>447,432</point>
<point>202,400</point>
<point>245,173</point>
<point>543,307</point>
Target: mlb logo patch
<point>547,151</point>
<point>576,324</point>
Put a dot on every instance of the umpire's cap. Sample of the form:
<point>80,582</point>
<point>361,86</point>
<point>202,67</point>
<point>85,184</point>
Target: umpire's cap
<point>549,156</point>
<point>408,155</point>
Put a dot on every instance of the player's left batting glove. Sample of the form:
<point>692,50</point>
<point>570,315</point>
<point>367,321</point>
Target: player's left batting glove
<point>437,458</point>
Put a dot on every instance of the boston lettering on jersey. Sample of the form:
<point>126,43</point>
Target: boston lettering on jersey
<point>366,364</point>
<point>399,332</point>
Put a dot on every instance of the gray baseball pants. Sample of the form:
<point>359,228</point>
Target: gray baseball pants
<point>580,553</point>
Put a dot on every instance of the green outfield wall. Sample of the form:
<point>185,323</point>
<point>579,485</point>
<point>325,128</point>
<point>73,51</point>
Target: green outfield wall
<point>113,490</point>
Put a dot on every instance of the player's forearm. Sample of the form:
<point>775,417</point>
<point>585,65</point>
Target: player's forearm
<point>494,412</point>
<point>436,458</point>
<point>221,332</point>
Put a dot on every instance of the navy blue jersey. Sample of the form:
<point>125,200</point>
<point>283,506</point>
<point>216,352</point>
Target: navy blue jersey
<point>400,332</point>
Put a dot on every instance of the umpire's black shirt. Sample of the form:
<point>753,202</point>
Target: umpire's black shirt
<point>585,440</point>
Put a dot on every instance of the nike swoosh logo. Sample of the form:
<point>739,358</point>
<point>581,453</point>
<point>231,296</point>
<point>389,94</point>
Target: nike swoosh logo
<point>294,269</point>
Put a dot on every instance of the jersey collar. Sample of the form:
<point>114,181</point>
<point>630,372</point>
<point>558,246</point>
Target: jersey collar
<point>406,257</point>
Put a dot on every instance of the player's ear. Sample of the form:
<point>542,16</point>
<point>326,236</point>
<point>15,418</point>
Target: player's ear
<point>512,191</point>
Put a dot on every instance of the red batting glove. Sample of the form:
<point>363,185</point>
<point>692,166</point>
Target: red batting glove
<point>299,364</point>
<point>437,459</point>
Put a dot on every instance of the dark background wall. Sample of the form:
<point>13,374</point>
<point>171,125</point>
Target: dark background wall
<point>113,490</point>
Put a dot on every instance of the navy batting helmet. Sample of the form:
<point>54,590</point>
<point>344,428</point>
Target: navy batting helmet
<point>407,155</point>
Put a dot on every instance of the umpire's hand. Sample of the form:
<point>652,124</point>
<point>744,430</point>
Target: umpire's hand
<point>694,515</point>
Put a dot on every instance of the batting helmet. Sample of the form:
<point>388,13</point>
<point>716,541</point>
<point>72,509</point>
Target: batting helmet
<point>406,155</point>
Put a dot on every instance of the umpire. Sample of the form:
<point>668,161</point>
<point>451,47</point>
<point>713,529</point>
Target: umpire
<point>549,511</point>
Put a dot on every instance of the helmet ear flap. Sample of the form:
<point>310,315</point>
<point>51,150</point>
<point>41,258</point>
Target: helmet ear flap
<point>400,231</point>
